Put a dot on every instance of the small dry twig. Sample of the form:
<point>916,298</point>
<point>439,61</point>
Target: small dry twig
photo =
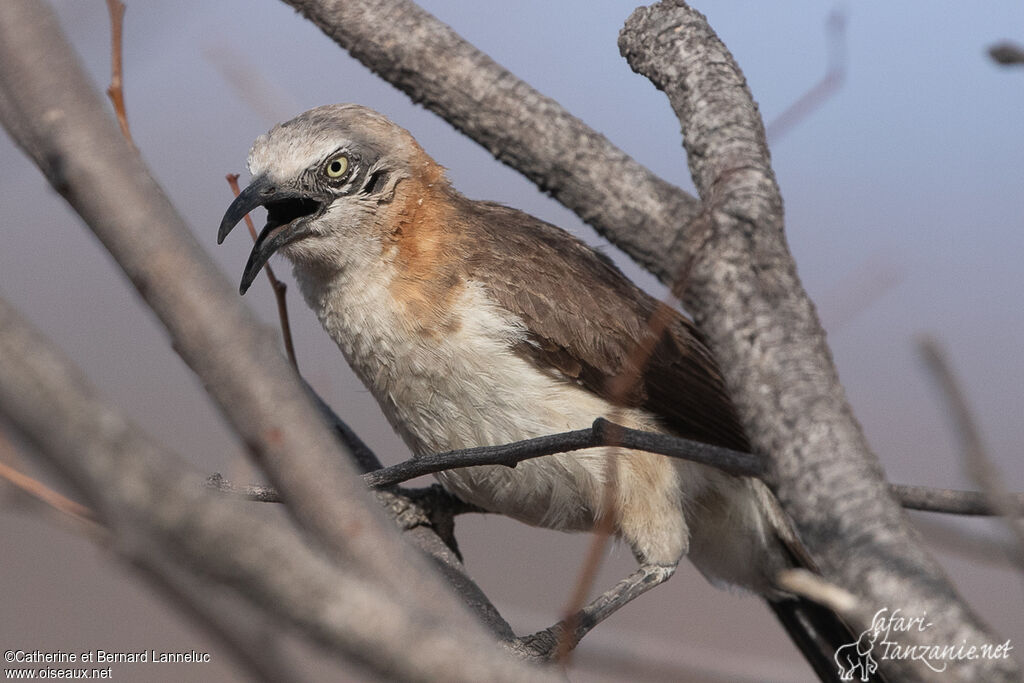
<point>979,465</point>
<point>41,492</point>
<point>116,90</point>
<point>280,288</point>
<point>821,91</point>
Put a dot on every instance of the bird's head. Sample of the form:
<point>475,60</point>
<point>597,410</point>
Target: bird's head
<point>323,177</point>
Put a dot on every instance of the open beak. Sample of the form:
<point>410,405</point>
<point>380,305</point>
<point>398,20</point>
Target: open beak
<point>288,214</point>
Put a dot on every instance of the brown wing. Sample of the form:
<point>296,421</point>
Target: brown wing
<point>587,320</point>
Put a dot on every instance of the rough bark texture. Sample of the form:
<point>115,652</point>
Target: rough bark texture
<point>58,120</point>
<point>747,299</point>
<point>426,59</point>
<point>49,109</point>
<point>162,520</point>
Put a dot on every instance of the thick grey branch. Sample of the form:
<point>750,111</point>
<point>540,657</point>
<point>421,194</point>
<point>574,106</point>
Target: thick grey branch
<point>748,301</point>
<point>533,134</point>
<point>366,460</point>
<point>49,109</point>
<point>161,520</point>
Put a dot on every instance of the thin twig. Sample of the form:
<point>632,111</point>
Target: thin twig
<point>249,82</point>
<point>979,465</point>
<point>116,90</point>
<point>280,288</point>
<point>820,92</point>
<point>949,501</point>
<point>595,436</point>
<point>921,498</point>
<point>42,492</point>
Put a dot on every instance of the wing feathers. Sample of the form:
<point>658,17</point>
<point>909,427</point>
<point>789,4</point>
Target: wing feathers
<point>587,319</point>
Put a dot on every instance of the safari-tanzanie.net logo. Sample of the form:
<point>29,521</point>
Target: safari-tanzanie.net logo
<point>859,659</point>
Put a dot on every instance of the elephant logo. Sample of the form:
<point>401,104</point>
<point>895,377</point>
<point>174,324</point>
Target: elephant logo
<point>857,656</point>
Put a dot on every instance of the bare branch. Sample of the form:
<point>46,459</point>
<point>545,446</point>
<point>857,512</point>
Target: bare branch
<point>601,433</point>
<point>426,59</point>
<point>280,289</point>
<point>922,498</point>
<point>262,661</point>
<point>749,303</point>
<point>979,465</point>
<point>159,516</point>
<point>49,110</point>
<point>949,501</point>
<point>47,106</point>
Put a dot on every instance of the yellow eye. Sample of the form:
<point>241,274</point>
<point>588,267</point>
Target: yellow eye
<point>337,166</point>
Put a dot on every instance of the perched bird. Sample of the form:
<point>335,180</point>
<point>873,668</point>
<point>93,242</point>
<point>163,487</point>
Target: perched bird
<point>476,324</point>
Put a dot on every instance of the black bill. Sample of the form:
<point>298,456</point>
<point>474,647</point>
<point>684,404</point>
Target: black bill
<point>288,212</point>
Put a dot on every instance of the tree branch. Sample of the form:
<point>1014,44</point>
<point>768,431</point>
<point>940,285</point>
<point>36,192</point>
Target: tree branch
<point>58,120</point>
<point>596,436</point>
<point>184,533</point>
<point>435,67</point>
<point>949,501</point>
<point>921,498</point>
<point>748,301</point>
<point>49,110</point>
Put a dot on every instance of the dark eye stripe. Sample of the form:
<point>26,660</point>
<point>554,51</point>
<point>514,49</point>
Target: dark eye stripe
<point>376,180</point>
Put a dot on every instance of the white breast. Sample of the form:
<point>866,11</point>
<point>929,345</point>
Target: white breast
<point>468,388</point>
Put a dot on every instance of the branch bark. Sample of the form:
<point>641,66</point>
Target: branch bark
<point>435,67</point>
<point>51,112</point>
<point>747,299</point>
<point>58,120</point>
<point>197,543</point>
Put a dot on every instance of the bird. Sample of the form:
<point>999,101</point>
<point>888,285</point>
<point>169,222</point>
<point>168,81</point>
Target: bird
<point>475,324</point>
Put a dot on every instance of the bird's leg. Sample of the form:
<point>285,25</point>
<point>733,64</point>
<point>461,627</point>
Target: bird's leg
<point>545,645</point>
